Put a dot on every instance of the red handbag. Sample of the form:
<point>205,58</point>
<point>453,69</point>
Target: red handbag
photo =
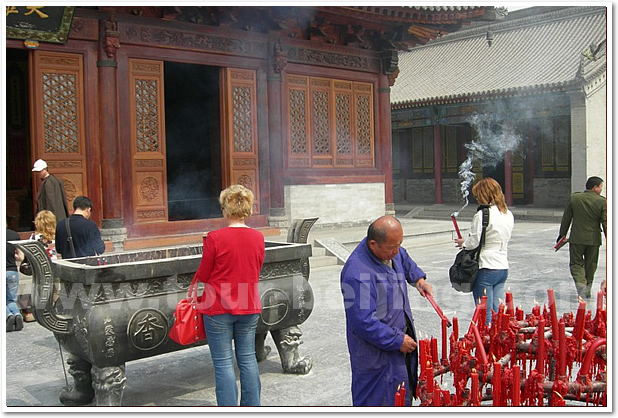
<point>188,326</point>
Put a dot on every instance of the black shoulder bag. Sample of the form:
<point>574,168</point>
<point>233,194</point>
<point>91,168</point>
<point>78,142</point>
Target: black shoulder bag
<point>464,270</point>
<point>70,238</point>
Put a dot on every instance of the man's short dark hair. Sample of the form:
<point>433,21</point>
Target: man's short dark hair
<point>593,181</point>
<point>82,202</point>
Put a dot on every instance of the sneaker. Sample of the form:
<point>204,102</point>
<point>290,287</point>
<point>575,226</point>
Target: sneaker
<point>10,323</point>
<point>29,317</point>
<point>19,323</point>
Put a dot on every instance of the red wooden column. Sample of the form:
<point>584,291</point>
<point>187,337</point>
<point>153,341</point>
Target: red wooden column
<point>437,161</point>
<point>384,141</point>
<point>274,91</point>
<point>108,124</point>
<point>508,168</point>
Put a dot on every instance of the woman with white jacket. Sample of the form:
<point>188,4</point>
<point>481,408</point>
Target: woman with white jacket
<point>493,262</point>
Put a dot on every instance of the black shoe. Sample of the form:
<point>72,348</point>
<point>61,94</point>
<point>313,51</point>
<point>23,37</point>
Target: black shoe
<point>10,323</point>
<point>19,322</point>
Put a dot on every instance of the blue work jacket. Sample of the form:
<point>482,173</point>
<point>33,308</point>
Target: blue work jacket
<point>376,305</point>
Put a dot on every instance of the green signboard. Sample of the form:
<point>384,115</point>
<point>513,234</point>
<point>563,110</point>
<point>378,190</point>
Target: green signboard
<point>39,23</point>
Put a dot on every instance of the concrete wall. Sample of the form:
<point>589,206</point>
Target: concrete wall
<point>421,191</point>
<point>551,193</point>
<point>451,191</point>
<point>424,191</point>
<point>336,204</point>
<point>596,147</point>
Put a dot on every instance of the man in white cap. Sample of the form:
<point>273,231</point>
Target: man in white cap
<point>51,192</point>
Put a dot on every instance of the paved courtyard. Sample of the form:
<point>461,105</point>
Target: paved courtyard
<point>34,374</point>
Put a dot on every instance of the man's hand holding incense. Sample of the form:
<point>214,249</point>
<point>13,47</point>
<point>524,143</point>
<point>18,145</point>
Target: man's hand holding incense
<point>423,287</point>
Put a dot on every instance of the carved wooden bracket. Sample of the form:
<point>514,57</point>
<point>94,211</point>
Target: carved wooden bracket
<point>390,61</point>
<point>111,42</point>
<point>280,58</point>
<point>392,77</point>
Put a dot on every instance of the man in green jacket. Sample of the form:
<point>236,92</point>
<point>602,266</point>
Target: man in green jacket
<point>588,212</point>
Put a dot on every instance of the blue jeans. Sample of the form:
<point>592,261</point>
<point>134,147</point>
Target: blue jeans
<point>490,283</point>
<point>12,287</point>
<point>220,331</point>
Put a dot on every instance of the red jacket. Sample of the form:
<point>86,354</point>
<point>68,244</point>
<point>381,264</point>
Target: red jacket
<point>230,268</point>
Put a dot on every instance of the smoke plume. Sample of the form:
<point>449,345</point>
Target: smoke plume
<point>492,141</point>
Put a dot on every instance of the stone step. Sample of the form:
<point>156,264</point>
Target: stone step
<point>443,212</point>
<point>318,251</point>
<point>322,261</point>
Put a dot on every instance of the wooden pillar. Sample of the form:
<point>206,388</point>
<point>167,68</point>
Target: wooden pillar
<point>508,169</point>
<point>274,91</point>
<point>437,162</point>
<point>530,150</point>
<point>385,141</point>
<point>108,124</point>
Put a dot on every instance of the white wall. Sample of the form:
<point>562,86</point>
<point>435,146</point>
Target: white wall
<point>335,204</point>
<point>596,125</point>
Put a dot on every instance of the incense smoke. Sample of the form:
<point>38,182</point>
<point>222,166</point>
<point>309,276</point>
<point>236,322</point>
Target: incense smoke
<point>488,149</point>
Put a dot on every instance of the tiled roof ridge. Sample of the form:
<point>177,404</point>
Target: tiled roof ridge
<point>486,94</point>
<point>565,13</point>
<point>593,67</point>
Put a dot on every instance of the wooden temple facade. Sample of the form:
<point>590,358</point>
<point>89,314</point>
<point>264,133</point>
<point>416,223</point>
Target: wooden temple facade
<point>151,111</point>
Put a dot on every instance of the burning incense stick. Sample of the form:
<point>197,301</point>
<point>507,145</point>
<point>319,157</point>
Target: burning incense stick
<point>437,308</point>
<point>454,219</point>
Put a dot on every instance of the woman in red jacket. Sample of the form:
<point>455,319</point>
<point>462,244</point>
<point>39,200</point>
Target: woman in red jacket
<point>230,268</point>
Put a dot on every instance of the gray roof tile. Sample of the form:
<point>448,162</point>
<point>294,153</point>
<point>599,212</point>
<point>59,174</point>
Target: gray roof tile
<point>539,50</point>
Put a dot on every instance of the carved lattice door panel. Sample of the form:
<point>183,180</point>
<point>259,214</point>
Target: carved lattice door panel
<point>330,123</point>
<point>240,144</point>
<point>57,98</point>
<point>148,141</point>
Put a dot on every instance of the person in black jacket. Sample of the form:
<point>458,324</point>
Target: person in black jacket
<point>84,233</point>
<point>51,194</point>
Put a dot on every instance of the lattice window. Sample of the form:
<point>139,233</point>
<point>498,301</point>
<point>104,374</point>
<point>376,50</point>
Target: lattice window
<point>363,117</point>
<point>450,157</point>
<point>241,96</point>
<point>60,110</point>
<point>321,129</point>
<point>147,111</point>
<point>330,123</point>
<point>298,124</point>
<point>563,155</point>
<point>343,123</point>
<point>555,150</point>
<point>422,150</point>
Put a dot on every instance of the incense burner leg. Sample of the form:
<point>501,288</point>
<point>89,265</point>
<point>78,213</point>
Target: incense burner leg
<point>81,393</point>
<point>261,350</point>
<point>109,383</point>
<point>287,341</point>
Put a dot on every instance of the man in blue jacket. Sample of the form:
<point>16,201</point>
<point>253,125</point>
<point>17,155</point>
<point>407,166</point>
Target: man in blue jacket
<point>380,328</point>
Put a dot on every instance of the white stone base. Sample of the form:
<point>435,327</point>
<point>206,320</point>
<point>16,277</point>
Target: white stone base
<point>335,204</point>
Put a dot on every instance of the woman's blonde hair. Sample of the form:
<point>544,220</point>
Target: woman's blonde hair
<point>488,192</point>
<point>237,201</point>
<point>45,224</point>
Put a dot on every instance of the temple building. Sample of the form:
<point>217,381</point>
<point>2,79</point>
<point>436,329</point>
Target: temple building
<point>525,97</point>
<point>152,110</point>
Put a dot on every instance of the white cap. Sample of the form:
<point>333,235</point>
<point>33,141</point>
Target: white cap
<point>39,165</point>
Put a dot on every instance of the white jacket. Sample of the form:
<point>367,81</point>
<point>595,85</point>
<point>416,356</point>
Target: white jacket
<point>497,237</point>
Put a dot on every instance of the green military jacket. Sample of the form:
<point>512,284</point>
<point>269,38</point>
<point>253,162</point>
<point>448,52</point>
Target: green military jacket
<point>588,213</point>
